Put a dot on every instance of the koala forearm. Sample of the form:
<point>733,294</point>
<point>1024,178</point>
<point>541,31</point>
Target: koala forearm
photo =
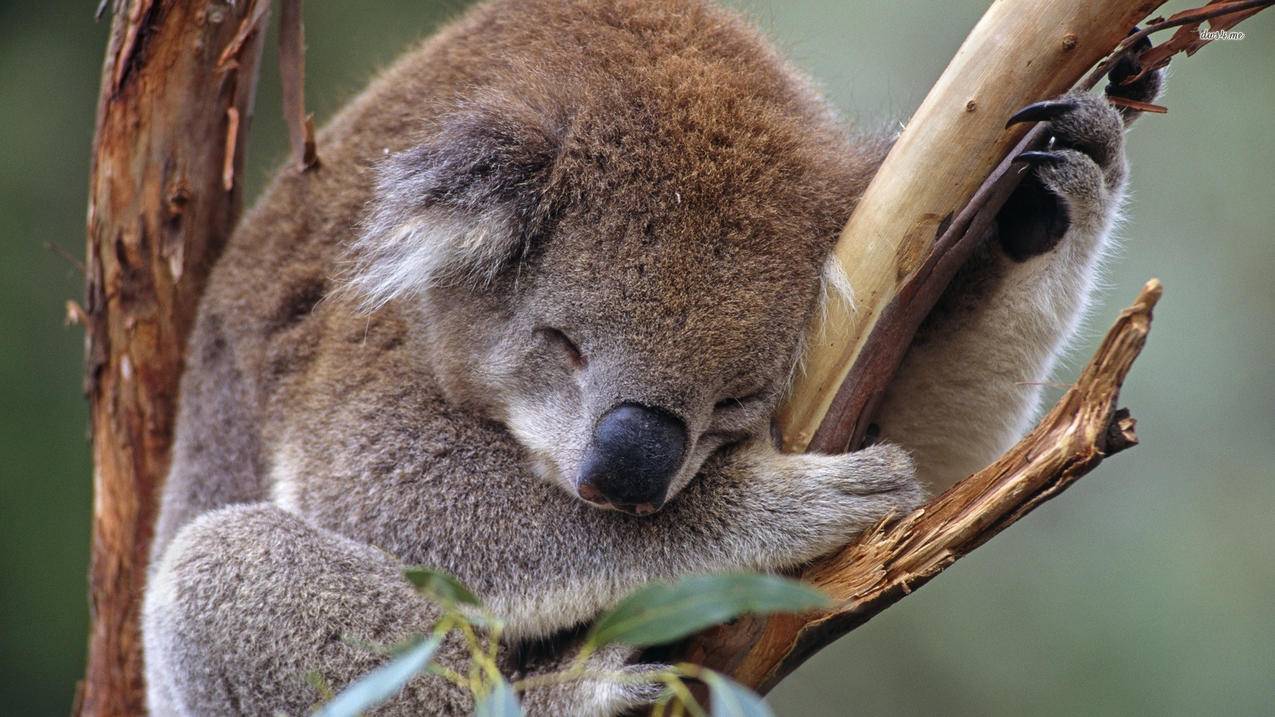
<point>586,565</point>
<point>970,384</point>
<point>751,508</point>
<point>971,381</point>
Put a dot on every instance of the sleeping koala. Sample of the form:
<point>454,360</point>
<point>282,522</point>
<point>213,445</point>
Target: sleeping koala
<point>528,324</point>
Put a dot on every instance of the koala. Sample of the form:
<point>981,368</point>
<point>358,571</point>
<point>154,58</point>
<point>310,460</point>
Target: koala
<point>528,324</point>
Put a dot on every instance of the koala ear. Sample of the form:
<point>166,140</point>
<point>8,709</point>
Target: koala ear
<point>459,207</point>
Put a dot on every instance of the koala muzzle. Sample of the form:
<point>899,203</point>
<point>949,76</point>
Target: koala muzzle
<point>634,454</point>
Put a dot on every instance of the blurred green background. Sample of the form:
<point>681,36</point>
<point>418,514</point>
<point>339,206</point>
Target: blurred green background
<point>1147,589</point>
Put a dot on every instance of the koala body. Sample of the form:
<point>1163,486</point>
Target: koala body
<point>528,323</point>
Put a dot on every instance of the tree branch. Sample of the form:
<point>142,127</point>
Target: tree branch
<point>895,557</point>
<point>176,94</point>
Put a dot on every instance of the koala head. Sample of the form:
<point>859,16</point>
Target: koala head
<point>623,284</point>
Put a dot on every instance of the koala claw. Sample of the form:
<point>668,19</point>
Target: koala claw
<point>1042,111</point>
<point>1037,159</point>
<point>1071,180</point>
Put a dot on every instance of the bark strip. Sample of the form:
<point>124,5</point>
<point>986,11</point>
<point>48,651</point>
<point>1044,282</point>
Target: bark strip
<point>305,154</point>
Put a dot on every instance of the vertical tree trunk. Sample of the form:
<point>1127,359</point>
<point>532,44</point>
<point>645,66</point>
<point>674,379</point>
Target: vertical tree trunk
<point>172,118</point>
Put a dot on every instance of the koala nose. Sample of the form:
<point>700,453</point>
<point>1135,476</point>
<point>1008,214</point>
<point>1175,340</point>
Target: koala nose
<point>634,454</point>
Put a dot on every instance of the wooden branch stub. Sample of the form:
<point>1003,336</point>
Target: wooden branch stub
<point>305,155</point>
<point>896,557</point>
<point>175,75</point>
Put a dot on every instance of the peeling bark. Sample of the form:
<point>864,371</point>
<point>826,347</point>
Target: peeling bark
<point>177,89</point>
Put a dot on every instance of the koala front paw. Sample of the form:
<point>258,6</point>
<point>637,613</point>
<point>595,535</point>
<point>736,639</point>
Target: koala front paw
<point>836,497</point>
<point>616,686</point>
<point>882,478</point>
<point>1070,182</point>
<point>1075,179</point>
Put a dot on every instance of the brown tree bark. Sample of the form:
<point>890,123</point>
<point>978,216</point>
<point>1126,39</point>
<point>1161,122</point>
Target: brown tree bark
<point>172,117</point>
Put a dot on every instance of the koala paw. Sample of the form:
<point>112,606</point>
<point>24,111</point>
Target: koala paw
<point>632,691</point>
<point>1075,178</point>
<point>619,687</point>
<point>885,475</point>
<point>1143,89</point>
<point>838,496</point>
<point>1070,181</point>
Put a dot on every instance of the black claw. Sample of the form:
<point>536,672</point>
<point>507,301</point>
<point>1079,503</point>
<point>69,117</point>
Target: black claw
<point>1042,111</point>
<point>1037,159</point>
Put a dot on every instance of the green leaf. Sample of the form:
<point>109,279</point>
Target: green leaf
<point>731,699</point>
<point>320,684</point>
<point>440,587</point>
<point>382,683</point>
<point>499,702</point>
<point>661,613</point>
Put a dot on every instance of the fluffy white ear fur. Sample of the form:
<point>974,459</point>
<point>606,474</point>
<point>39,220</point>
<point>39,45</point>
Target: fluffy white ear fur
<point>398,256</point>
<point>457,208</point>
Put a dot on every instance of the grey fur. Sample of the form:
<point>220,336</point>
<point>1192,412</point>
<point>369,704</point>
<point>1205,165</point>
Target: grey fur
<point>371,384</point>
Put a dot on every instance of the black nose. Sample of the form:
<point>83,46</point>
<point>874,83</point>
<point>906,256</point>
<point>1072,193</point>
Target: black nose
<point>633,457</point>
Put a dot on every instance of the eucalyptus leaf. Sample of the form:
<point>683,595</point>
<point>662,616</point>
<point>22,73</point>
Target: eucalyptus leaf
<point>440,587</point>
<point>499,702</point>
<point>728,698</point>
<point>320,684</point>
<point>661,613</point>
<point>382,683</point>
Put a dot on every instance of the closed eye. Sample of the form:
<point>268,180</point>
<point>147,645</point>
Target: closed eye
<point>566,345</point>
<point>727,404</point>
